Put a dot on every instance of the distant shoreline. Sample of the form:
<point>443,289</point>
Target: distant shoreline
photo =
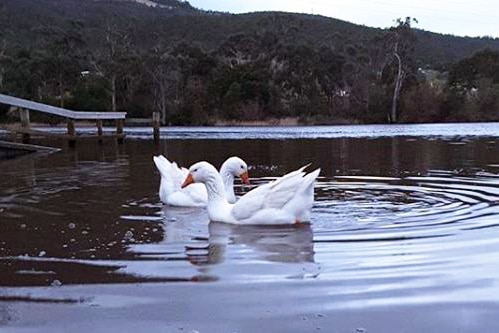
<point>273,122</point>
<point>288,121</point>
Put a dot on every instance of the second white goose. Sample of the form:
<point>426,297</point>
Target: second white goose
<point>172,176</point>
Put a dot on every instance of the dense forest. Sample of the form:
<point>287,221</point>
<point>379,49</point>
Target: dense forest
<point>198,67</point>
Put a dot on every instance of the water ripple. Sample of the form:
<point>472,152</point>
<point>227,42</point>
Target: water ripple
<point>372,240</point>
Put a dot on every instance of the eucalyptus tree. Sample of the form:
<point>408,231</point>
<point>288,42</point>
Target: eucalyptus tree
<point>244,79</point>
<point>163,70</point>
<point>195,73</point>
<point>391,61</point>
<point>115,60</point>
<point>238,49</point>
<point>403,40</point>
<point>474,82</point>
<point>300,62</point>
<point>4,58</point>
<point>482,65</point>
<point>329,74</point>
<point>63,58</point>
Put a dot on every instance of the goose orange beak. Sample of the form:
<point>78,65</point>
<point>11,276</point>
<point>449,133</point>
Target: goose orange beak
<point>245,177</point>
<point>189,180</point>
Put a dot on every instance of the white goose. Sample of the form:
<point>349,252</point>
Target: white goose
<point>171,193</point>
<point>285,200</point>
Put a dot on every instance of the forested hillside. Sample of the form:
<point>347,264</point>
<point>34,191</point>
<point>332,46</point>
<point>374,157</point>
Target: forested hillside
<point>196,67</point>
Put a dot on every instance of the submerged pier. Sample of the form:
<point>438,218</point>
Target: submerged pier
<point>14,149</point>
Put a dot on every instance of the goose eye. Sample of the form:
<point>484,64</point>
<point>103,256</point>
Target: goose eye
<point>242,166</point>
<point>195,170</point>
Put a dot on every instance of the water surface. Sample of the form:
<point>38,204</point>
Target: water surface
<point>399,221</point>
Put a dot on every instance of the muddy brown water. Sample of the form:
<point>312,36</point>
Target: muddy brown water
<point>404,220</point>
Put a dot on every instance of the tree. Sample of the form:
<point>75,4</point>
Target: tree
<point>465,73</point>
<point>391,60</point>
<point>475,82</point>
<point>239,49</point>
<point>3,47</point>
<point>330,74</point>
<point>64,57</point>
<point>32,68</point>
<point>356,81</point>
<point>162,68</point>
<point>422,103</point>
<point>196,67</point>
<point>403,48</point>
<point>116,58</point>
<point>3,60</point>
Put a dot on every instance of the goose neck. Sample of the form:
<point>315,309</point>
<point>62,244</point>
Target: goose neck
<point>215,188</point>
<point>228,181</point>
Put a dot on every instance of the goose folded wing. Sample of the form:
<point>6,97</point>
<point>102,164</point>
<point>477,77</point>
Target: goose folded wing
<point>272,195</point>
<point>162,164</point>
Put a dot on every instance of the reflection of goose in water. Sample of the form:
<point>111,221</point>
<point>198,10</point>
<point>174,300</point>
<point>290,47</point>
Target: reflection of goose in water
<point>282,244</point>
<point>182,224</point>
<point>223,251</point>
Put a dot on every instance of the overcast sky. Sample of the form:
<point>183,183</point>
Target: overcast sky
<point>457,17</point>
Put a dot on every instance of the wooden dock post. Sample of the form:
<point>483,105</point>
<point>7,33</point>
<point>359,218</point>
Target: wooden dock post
<point>99,129</point>
<point>71,131</point>
<point>119,130</point>
<point>25,127</point>
<point>156,124</point>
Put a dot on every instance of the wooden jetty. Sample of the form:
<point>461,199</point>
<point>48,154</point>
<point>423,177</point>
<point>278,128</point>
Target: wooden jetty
<point>25,106</point>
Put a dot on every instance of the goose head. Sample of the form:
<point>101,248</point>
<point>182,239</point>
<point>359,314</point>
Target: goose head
<point>200,172</point>
<point>238,168</point>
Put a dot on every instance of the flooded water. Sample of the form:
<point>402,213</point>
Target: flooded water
<point>403,219</point>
